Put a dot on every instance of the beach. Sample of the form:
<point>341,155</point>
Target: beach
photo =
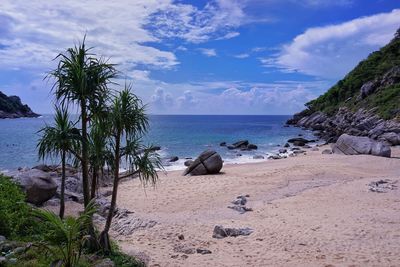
<point>309,210</point>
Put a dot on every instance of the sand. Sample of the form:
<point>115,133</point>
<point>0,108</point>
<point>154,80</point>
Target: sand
<point>312,210</point>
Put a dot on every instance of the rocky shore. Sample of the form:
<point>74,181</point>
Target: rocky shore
<point>360,123</point>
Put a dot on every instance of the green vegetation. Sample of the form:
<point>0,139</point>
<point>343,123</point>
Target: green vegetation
<point>58,141</point>
<point>14,212</point>
<point>346,91</point>
<point>64,239</point>
<point>112,126</point>
<point>44,237</point>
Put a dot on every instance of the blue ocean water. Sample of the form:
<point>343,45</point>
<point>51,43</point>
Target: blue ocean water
<point>185,136</point>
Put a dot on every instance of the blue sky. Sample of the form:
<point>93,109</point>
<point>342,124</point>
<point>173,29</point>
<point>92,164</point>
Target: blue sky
<point>198,57</point>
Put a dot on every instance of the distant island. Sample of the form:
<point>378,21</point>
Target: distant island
<point>11,107</point>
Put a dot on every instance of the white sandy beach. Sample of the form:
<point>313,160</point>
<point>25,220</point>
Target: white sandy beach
<point>312,210</point>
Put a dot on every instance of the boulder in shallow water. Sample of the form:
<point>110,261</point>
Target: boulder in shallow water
<point>356,145</point>
<point>252,147</point>
<point>209,162</point>
<point>299,139</point>
<point>173,159</point>
<point>38,185</point>
<point>242,143</point>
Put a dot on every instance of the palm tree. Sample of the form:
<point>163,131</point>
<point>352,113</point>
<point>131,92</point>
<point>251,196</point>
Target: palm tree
<point>98,153</point>
<point>128,124</point>
<point>65,238</point>
<point>58,141</point>
<point>82,80</point>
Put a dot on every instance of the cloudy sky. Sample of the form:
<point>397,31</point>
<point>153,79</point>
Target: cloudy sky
<point>198,57</point>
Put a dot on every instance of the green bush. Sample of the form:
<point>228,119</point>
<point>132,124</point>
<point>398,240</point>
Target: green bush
<point>14,212</point>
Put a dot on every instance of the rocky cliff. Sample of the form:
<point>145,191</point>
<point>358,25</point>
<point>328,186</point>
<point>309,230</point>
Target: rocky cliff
<point>11,107</point>
<point>365,103</point>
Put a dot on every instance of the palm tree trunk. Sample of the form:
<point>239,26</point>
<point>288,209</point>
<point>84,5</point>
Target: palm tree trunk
<point>94,184</point>
<point>62,200</point>
<point>92,242</point>
<point>104,237</point>
<point>85,172</point>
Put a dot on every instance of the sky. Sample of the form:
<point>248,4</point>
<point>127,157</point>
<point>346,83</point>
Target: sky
<point>197,57</point>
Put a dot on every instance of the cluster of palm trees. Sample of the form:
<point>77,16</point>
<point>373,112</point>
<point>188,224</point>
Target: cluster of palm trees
<point>109,131</point>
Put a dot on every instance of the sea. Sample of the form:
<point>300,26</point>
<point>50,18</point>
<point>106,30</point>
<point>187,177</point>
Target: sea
<point>184,136</point>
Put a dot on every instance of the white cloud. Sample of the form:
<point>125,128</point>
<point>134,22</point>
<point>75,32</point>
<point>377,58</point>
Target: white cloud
<point>242,56</point>
<point>332,51</point>
<point>39,30</point>
<point>209,52</point>
<point>216,20</point>
<point>231,97</point>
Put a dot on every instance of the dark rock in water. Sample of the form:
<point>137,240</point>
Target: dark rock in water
<point>306,146</point>
<point>223,144</point>
<point>258,157</point>
<point>299,143</point>
<point>173,159</point>
<point>356,145</point>
<point>283,150</point>
<point>188,163</point>
<point>221,232</point>
<point>203,251</point>
<point>286,145</point>
<point>209,162</point>
<point>231,147</point>
<point>327,151</point>
<point>238,155</point>
<point>274,157</point>
<point>252,147</point>
<point>298,139</point>
<point>38,185</point>
<point>239,144</point>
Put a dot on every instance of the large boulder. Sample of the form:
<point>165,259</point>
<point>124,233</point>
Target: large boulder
<point>209,162</point>
<point>391,137</point>
<point>38,185</point>
<point>356,145</point>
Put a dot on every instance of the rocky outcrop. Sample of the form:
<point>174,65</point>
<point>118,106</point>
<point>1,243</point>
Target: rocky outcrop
<point>38,185</point>
<point>209,162</point>
<point>11,107</point>
<point>360,123</point>
<point>356,145</point>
